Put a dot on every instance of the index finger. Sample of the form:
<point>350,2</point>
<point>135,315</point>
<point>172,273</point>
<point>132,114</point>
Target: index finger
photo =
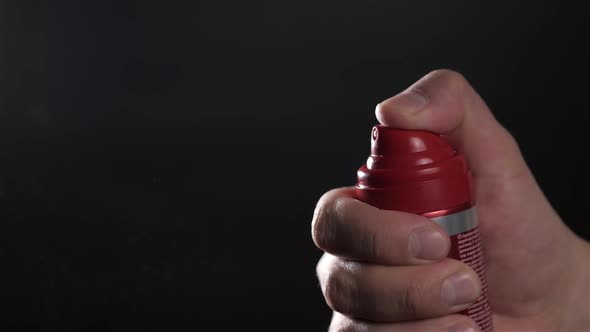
<point>346,227</point>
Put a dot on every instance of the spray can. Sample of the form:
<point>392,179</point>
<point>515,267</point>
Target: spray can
<point>419,172</point>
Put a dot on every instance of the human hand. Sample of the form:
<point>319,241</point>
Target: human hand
<point>387,271</point>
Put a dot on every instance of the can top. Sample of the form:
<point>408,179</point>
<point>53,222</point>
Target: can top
<point>389,141</point>
<point>413,170</point>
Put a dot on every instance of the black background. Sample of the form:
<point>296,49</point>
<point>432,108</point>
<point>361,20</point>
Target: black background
<point>160,161</point>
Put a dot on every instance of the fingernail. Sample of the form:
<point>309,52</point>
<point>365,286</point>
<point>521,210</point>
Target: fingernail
<point>459,290</point>
<point>427,243</point>
<point>408,101</point>
<point>462,327</point>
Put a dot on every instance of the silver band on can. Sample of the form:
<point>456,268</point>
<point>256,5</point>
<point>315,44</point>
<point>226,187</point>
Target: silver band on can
<point>459,222</point>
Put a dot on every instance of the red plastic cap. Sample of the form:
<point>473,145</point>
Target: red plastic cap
<point>413,171</point>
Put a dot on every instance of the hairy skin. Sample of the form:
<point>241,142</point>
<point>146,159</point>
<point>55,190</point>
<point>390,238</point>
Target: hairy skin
<point>538,270</point>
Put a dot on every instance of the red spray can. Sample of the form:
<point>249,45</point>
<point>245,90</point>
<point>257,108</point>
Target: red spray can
<point>419,172</point>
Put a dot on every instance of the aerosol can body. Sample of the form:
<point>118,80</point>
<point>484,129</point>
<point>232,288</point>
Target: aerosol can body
<point>419,172</point>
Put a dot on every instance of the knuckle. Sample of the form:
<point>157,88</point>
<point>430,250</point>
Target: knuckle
<point>324,219</point>
<point>406,303</point>
<point>344,324</point>
<point>369,243</point>
<point>340,291</point>
<point>450,75</point>
<point>350,327</point>
<point>323,265</point>
<point>453,79</point>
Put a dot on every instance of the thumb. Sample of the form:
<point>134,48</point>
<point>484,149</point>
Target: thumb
<point>443,102</point>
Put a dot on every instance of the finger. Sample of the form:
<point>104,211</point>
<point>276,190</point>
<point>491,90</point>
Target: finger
<point>445,103</point>
<point>349,228</point>
<point>452,323</point>
<point>399,293</point>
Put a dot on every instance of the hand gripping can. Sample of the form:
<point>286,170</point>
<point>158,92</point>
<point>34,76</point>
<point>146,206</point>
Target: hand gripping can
<point>419,172</point>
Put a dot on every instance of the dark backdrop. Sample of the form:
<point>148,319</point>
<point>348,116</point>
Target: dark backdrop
<point>160,161</point>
